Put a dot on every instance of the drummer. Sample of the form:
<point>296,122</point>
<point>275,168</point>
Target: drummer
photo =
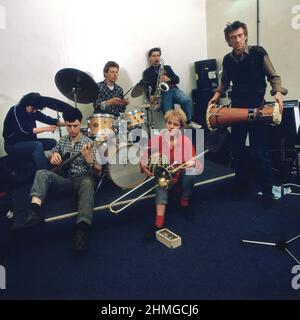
<point>110,95</point>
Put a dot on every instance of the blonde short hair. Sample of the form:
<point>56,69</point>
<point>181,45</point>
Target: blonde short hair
<point>178,113</point>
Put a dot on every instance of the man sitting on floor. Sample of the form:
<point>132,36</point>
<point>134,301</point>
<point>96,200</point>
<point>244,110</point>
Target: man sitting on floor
<point>79,177</point>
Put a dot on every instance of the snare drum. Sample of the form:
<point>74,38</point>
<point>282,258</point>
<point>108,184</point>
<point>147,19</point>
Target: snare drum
<point>135,119</point>
<point>100,125</point>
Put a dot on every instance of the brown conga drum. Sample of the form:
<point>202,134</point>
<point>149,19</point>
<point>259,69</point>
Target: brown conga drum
<point>223,116</point>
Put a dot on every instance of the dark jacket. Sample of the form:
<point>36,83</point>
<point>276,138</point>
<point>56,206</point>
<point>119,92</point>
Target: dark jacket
<point>19,124</point>
<point>150,78</point>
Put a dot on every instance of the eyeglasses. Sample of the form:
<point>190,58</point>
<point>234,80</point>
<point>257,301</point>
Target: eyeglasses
<point>175,124</point>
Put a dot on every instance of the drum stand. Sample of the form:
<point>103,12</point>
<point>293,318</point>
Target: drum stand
<point>281,244</point>
<point>74,91</point>
<point>100,181</point>
<point>58,123</point>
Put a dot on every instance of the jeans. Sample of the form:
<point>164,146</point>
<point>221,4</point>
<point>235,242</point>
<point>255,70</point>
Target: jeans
<point>187,185</point>
<point>31,149</point>
<point>176,96</point>
<point>83,186</point>
<point>258,144</point>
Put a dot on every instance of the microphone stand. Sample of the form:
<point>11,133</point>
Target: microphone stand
<point>281,244</point>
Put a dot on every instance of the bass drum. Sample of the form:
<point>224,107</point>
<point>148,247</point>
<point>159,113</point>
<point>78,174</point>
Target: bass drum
<point>124,166</point>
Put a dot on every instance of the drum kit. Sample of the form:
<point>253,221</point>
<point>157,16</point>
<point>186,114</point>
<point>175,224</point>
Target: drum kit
<point>125,172</point>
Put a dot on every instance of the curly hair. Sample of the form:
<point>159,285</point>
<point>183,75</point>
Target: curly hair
<point>178,113</point>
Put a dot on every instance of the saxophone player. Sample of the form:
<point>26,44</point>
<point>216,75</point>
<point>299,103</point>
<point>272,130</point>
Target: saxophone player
<point>169,94</point>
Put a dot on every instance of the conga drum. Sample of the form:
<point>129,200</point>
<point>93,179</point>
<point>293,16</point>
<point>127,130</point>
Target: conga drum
<point>223,116</point>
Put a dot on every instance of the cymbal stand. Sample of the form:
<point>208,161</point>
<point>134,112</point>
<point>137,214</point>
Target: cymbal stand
<point>74,90</point>
<point>149,112</point>
<point>58,123</point>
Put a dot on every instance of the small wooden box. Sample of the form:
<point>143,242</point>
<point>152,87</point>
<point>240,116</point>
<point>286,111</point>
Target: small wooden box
<point>168,238</point>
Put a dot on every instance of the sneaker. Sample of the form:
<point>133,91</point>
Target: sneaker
<point>33,218</point>
<point>193,125</point>
<point>81,237</point>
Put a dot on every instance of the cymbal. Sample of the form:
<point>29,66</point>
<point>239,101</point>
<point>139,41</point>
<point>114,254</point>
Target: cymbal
<point>70,81</point>
<point>137,90</point>
<point>53,103</point>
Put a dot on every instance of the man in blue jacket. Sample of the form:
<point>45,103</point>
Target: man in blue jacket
<point>20,131</point>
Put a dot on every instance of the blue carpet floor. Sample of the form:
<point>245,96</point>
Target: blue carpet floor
<point>212,263</point>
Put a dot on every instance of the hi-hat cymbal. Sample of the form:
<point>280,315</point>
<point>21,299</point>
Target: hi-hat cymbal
<point>76,85</point>
<point>137,90</point>
<point>53,103</point>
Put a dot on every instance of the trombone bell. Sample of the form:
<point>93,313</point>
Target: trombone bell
<point>163,177</point>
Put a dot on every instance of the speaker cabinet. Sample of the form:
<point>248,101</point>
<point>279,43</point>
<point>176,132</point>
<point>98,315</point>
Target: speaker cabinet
<point>206,74</point>
<point>200,101</point>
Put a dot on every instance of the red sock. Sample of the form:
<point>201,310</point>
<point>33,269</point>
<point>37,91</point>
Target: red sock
<point>159,221</point>
<point>184,201</point>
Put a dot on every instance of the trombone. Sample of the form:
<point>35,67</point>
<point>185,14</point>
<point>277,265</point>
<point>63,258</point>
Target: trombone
<point>163,179</point>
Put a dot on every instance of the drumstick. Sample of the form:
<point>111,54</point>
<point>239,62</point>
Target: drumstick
<point>127,92</point>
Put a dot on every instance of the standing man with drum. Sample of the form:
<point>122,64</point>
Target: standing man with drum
<point>247,68</point>
<point>110,96</point>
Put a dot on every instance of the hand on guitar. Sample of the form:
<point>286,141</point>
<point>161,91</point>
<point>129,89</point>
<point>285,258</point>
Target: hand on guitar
<point>56,159</point>
<point>87,153</point>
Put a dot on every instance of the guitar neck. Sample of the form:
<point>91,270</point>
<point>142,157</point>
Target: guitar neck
<point>78,154</point>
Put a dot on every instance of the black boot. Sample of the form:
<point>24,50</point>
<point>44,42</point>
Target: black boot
<point>81,237</point>
<point>34,216</point>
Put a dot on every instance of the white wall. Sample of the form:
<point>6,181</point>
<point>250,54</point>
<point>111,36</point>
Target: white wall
<point>279,34</point>
<point>40,37</point>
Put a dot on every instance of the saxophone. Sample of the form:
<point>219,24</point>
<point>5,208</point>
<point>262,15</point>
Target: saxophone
<point>160,87</point>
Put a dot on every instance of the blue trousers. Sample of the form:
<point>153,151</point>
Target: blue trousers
<point>176,96</point>
<point>31,150</point>
<point>187,184</point>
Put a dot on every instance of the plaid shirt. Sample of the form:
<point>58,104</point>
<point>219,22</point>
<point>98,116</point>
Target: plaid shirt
<point>104,94</point>
<point>79,165</point>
